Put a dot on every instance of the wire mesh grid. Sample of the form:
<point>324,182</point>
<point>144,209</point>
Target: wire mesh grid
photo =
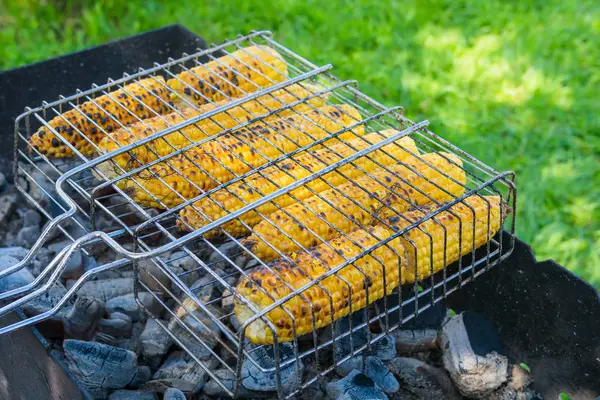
<point>313,176</point>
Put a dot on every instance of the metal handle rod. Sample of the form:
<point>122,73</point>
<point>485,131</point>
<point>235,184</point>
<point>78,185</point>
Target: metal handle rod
<point>48,314</point>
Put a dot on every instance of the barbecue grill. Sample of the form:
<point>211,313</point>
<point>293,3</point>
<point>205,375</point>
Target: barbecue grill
<point>139,236</point>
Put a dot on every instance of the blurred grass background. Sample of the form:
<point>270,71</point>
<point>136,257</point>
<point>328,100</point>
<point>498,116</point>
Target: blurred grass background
<point>517,84</point>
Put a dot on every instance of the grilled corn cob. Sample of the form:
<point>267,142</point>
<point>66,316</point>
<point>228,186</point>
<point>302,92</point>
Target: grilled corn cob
<point>395,261</point>
<point>141,99</point>
<point>355,204</point>
<point>220,160</point>
<point>203,129</point>
<point>245,70</point>
<point>237,195</point>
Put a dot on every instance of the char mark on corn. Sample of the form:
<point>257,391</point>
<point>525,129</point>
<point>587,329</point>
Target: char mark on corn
<point>433,178</point>
<point>208,127</point>
<point>186,175</point>
<point>402,260</point>
<point>237,195</point>
<point>87,124</point>
<point>243,71</point>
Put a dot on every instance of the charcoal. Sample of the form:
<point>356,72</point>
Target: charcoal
<point>174,394</point>
<point>32,218</point>
<point>128,305</point>
<point>255,379</point>
<point>106,289</point>
<point>28,235</point>
<point>230,250</point>
<point>132,343</point>
<point>16,252</point>
<point>374,368</point>
<point>200,323</point>
<point>316,390</point>
<point>472,355</point>
<point>142,376</point>
<point>205,287</point>
<point>99,367</point>
<point>154,342</point>
<point>132,395</point>
<point>355,386</point>
<point>227,379</point>
<point>75,267</point>
<point>8,205</point>
<point>162,385</point>
<point>423,380</point>
<point>48,300</point>
<point>16,279</point>
<point>117,325</point>
<point>413,341</point>
<point>153,277</point>
<point>182,367</point>
<point>384,348</point>
<point>81,321</point>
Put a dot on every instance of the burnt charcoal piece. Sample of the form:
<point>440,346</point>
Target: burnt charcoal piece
<point>374,368</point>
<point>408,341</point>
<point>227,379</point>
<point>117,325</point>
<point>128,305</point>
<point>106,289</point>
<point>355,386</point>
<point>155,342</point>
<point>476,367</point>
<point>255,379</point>
<point>131,395</point>
<point>99,367</point>
<point>202,324</point>
<point>141,376</point>
<point>423,380</point>
<point>174,394</point>
<point>81,321</point>
<point>182,371</point>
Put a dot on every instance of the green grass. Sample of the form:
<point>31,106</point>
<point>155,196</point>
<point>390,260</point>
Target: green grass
<point>517,85</point>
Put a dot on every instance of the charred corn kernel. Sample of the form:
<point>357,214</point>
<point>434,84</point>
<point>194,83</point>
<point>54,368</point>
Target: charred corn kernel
<point>245,70</point>
<point>433,178</point>
<point>355,286</point>
<point>205,128</point>
<point>95,119</point>
<point>450,233</point>
<point>220,160</point>
<point>239,194</point>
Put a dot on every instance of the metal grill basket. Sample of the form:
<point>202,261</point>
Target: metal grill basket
<point>100,217</point>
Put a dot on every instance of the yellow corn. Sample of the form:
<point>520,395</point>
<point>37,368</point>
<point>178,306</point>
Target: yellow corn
<point>141,99</point>
<point>205,128</point>
<point>243,71</point>
<point>237,195</point>
<point>347,288</point>
<point>236,153</point>
<point>434,177</point>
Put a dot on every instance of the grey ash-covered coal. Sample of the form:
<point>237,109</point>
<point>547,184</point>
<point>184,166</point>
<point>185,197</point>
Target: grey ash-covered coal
<point>116,352</point>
